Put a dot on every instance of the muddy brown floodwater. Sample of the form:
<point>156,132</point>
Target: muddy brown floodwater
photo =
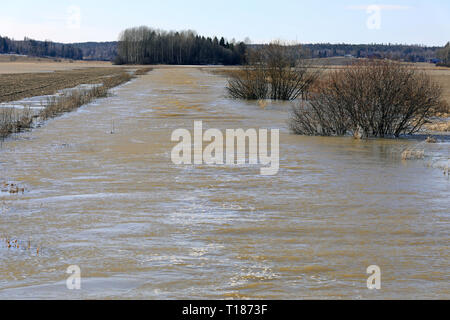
<point>141,227</point>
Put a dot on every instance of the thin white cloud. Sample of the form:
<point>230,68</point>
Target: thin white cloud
<point>56,30</point>
<point>386,7</point>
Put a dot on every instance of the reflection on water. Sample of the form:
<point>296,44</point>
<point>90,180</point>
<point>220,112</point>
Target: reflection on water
<point>141,227</point>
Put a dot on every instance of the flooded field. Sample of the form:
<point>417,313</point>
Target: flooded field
<point>140,227</point>
<point>14,87</point>
<point>39,102</point>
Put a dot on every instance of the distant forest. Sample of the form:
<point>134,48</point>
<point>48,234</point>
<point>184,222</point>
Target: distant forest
<point>35,48</point>
<point>144,45</point>
<point>444,55</point>
<point>148,46</point>
<point>409,53</point>
<point>102,51</point>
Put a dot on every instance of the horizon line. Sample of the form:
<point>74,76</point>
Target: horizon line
<point>255,44</point>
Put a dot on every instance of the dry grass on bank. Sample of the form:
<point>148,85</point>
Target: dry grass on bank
<point>438,126</point>
<point>143,71</point>
<point>58,105</point>
<point>13,120</point>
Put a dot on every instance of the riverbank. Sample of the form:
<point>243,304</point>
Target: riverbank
<point>24,85</point>
<point>19,86</point>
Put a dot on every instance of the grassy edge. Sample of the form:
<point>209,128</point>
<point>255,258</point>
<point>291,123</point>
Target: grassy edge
<point>11,122</point>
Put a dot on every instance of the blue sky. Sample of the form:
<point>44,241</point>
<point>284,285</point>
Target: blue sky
<point>397,21</point>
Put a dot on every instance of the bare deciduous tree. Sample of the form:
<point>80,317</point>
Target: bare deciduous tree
<point>276,71</point>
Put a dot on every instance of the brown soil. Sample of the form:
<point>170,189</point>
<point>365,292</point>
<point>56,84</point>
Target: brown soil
<point>19,86</point>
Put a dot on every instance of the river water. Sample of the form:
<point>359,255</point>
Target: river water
<point>140,227</point>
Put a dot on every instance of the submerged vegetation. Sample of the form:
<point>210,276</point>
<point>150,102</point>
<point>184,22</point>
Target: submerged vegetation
<point>56,106</point>
<point>16,244</point>
<point>14,121</point>
<point>11,188</point>
<point>19,86</point>
<point>74,100</point>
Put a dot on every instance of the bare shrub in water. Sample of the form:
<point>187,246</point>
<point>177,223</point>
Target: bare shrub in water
<point>321,117</point>
<point>24,120</point>
<point>249,84</point>
<point>289,75</point>
<point>6,122</point>
<point>375,98</point>
<point>12,121</point>
<point>276,72</point>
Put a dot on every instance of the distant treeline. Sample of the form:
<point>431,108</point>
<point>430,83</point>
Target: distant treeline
<point>144,45</point>
<point>103,51</point>
<point>444,55</point>
<point>412,53</point>
<point>35,48</point>
<point>147,46</point>
<point>409,53</point>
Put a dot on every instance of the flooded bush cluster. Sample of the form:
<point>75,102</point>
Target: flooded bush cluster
<point>276,72</point>
<point>369,99</point>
